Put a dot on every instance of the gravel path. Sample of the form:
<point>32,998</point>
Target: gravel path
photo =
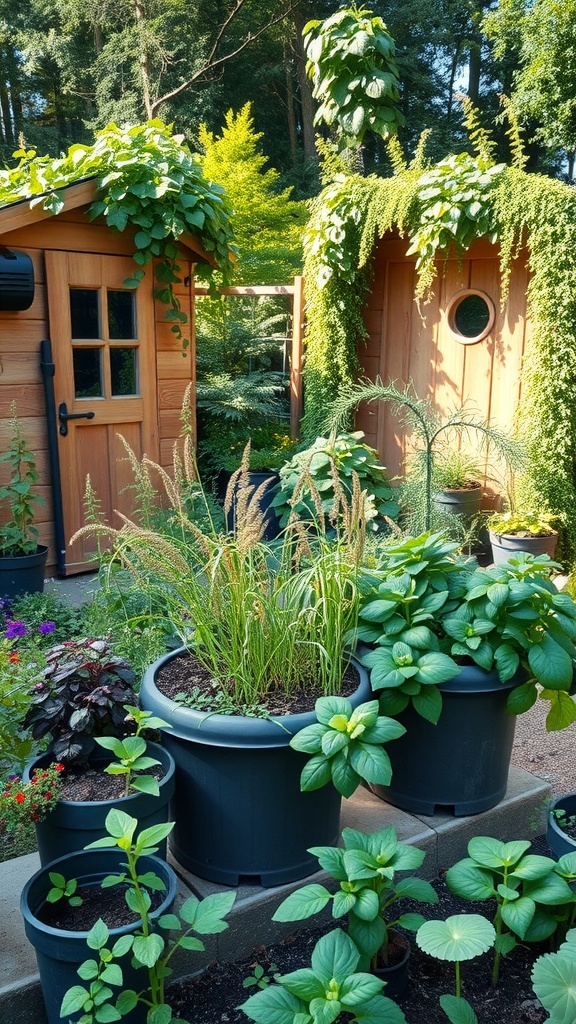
<point>549,755</point>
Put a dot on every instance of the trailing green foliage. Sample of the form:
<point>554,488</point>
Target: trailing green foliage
<point>146,178</point>
<point>442,211</point>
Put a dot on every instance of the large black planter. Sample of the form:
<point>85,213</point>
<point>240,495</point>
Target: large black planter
<point>72,824</point>
<point>459,766</point>
<point>23,574</point>
<point>238,807</point>
<point>461,501</point>
<point>59,953</point>
<point>558,840</point>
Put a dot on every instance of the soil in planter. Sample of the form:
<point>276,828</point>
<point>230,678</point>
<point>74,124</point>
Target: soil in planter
<point>109,904</point>
<point>185,675</point>
<point>86,783</point>
<point>566,824</point>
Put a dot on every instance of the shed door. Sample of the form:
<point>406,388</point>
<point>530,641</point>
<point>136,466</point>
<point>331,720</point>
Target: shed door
<point>103,348</point>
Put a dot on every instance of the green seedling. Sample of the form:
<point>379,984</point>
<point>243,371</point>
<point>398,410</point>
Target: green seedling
<point>63,890</point>
<point>458,938</point>
<point>261,977</point>
<point>131,753</point>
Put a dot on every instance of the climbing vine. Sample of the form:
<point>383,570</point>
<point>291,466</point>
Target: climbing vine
<point>441,210</point>
<point>146,178</point>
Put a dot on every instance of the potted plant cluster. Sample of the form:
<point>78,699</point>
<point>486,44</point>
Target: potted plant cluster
<point>459,488</point>
<point>456,652</point>
<point>22,558</point>
<point>266,634</point>
<point>86,705</point>
<point>522,530</point>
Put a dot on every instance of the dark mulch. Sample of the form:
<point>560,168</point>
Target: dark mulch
<point>184,674</point>
<point>109,904</point>
<point>86,783</point>
<point>213,996</point>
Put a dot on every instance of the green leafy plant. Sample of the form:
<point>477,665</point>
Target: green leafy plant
<point>523,523</point>
<point>82,694</point>
<point>63,889</point>
<point>261,977</point>
<point>355,78</point>
<point>149,950</point>
<point>455,470</point>
<point>458,938</point>
<point>432,433</point>
<point>308,481</point>
<point>554,981</point>
<point>321,993</point>
<point>18,535</point>
<point>131,753</point>
<point>22,804</point>
<point>19,674</point>
<point>346,745</point>
<point>366,872</point>
<point>526,888</point>
<point>425,611</point>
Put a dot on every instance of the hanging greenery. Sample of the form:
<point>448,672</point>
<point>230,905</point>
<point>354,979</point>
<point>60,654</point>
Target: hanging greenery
<point>147,179</point>
<point>442,209</point>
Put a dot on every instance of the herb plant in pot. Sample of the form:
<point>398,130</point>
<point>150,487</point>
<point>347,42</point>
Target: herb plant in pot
<point>457,652</point>
<point>561,833</point>
<point>22,559</point>
<point>86,705</point>
<point>459,488</point>
<point>519,530</point>
<point>265,637</point>
<point>366,871</point>
<point>64,930</point>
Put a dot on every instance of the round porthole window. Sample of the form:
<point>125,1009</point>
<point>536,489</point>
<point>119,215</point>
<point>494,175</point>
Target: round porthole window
<point>471,316</point>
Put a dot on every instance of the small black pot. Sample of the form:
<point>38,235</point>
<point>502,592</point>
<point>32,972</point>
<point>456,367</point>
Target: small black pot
<point>396,975</point>
<point>461,501</point>
<point>460,765</point>
<point>73,824</point>
<point>23,574</point>
<point>59,953</point>
<point>558,841</point>
<point>238,807</point>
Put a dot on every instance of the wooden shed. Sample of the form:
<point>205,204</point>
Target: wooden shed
<point>457,346</point>
<point>103,351</point>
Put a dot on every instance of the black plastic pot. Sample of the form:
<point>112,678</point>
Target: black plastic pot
<point>461,501</point>
<point>59,953</point>
<point>459,766</point>
<point>238,807</point>
<point>396,975</point>
<point>256,480</point>
<point>72,824</point>
<point>558,841</point>
<point>23,574</point>
<point>504,545</point>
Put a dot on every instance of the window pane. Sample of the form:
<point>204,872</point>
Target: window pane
<point>123,371</point>
<point>87,372</point>
<point>471,316</point>
<point>85,313</point>
<point>121,315</point>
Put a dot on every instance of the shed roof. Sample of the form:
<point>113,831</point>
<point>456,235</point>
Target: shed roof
<point>81,193</point>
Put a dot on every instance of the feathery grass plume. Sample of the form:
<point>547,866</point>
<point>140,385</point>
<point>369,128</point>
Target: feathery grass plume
<point>513,132</point>
<point>146,495</point>
<point>481,140</point>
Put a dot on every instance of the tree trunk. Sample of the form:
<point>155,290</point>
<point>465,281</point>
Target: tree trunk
<point>143,60</point>
<point>474,67</point>
<point>6,114</point>
<point>291,116</point>
<point>306,99</point>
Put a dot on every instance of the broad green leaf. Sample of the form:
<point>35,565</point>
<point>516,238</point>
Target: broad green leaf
<point>366,906</point>
<point>345,779</point>
<point>521,698</point>
<point>554,981</point>
<point>316,773</point>
<point>492,853</point>
<point>304,983</point>
<point>434,668</point>
<point>73,1000</point>
<point>518,915</point>
<point>148,948</point>
<point>458,1010</point>
<point>303,903</point>
<point>88,970</point>
<point>206,915</point>
<point>428,704</point>
<point>274,1005</point>
<point>112,975</point>
<point>468,880</point>
<point>97,937</point>
<point>357,989</point>
<point>562,710</point>
<point>371,763</point>
<point>368,936</point>
<point>334,956</point>
<point>533,866</point>
<point>551,665</point>
<point>460,937</point>
<point>416,889</point>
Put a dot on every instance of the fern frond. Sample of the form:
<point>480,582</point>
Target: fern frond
<point>481,140</point>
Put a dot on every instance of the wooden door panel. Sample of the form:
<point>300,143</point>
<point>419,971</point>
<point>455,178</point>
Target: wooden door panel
<point>108,368</point>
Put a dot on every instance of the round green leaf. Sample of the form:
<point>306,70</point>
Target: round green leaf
<point>554,981</point>
<point>461,937</point>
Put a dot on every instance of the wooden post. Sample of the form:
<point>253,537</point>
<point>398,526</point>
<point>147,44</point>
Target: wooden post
<point>296,358</point>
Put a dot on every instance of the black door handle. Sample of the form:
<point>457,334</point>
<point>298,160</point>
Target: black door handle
<point>64,416</point>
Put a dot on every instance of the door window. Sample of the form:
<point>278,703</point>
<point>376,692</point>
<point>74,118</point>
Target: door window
<point>109,369</point>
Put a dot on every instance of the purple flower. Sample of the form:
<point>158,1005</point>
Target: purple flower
<point>47,627</point>
<point>15,629</point>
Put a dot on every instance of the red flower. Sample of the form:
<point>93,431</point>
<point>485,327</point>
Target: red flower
<point>48,796</point>
<point>20,798</point>
<point>14,657</point>
<point>59,767</point>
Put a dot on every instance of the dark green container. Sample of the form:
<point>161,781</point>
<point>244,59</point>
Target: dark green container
<point>59,953</point>
<point>459,766</point>
<point>23,574</point>
<point>239,812</point>
<point>558,841</point>
<point>73,824</point>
